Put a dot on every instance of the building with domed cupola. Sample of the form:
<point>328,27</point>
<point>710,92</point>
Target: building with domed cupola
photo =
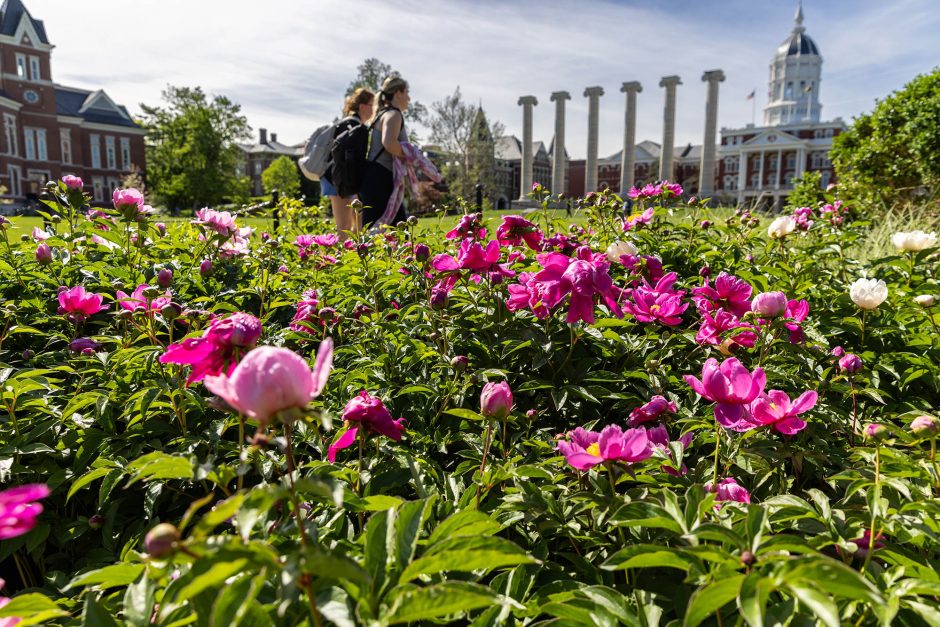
<point>758,164</point>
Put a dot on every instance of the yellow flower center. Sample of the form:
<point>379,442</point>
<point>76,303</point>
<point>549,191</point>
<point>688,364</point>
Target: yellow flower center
<point>594,450</point>
<point>635,216</point>
<point>655,308</point>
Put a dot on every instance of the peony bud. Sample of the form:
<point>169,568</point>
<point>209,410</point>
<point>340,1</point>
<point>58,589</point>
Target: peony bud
<point>160,541</point>
<point>43,254</point>
<point>769,304</point>
<point>82,344</point>
<point>72,182</point>
<point>876,432</point>
<point>422,252</point>
<point>781,227</point>
<point>282,269</point>
<point>620,249</point>
<point>496,400</point>
<point>165,278</point>
<point>161,228</point>
<point>96,521</point>
<point>205,268</point>
<point>459,363</point>
<point>850,363</point>
<point>925,300</point>
<point>438,299</point>
<point>704,224</point>
<point>838,351</point>
<point>925,426</point>
<point>705,272</point>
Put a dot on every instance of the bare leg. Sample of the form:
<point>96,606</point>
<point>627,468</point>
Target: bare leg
<point>343,216</point>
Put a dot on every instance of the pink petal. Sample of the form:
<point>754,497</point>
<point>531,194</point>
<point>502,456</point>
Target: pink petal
<point>345,441</point>
<point>805,402</point>
<point>321,369</point>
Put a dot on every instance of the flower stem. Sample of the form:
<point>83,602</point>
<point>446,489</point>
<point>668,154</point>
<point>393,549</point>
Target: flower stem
<point>872,538</point>
<point>933,462</point>
<point>486,450</point>
<point>717,447</point>
<point>854,412</point>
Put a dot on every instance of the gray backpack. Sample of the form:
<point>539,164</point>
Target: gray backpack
<point>316,155</point>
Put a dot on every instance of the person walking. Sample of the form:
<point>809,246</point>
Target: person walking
<point>385,145</point>
<point>358,109</point>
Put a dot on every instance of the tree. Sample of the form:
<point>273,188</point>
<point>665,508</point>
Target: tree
<point>890,154</point>
<point>282,175</point>
<point>371,73</point>
<point>191,147</point>
<point>466,139</point>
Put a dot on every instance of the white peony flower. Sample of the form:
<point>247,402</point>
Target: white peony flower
<point>618,249</point>
<point>913,241</point>
<point>925,300</point>
<point>781,227</point>
<point>868,293</point>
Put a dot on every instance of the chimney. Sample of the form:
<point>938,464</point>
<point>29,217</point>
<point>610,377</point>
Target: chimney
<point>262,136</point>
<point>273,137</point>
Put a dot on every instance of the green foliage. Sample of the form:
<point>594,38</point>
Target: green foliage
<point>371,73</point>
<point>807,191</point>
<point>890,155</point>
<point>282,175</point>
<point>191,148</point>
<point>465,520</point>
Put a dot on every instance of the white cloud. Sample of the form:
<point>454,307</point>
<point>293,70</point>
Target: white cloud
<point>288,62</point>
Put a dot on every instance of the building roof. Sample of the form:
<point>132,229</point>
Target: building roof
<point>273,147</point>
<point>91,106</point>
<point>11,12</point>
<point>798,43</point>
<point>647,150</point>
<point>509,148</point>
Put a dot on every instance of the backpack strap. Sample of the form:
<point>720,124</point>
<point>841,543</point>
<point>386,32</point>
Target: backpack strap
<point>371,126</point>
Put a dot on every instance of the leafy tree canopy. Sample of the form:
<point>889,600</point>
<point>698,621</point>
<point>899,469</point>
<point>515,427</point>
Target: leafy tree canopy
<point>282,175</point>
<point>191,147</point>
<point>371,73</point>
<point>890,154</point>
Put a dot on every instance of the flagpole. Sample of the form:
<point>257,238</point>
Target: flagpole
<point>754,109</point>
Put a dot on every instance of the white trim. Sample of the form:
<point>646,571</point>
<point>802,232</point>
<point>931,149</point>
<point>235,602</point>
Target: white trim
<point>113,128</point>
<point>25,27</point>
<point>17,77</point>
<point>95,98</point>
<point>13,104</point>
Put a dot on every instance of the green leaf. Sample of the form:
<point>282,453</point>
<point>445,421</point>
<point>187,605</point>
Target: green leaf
<point>87,478</point>
<point>822,606</point>
<point>95,615</point>
<point>645,515</point>
<point>217,515</point>
<point>468,522</point>
<point>231,603</point>
<point>706,601</point>
<point>33,608</point>
<point>159,465</point>
<point>376,548</point>
<point>468,554</point>
<point>437,601</point>
<point>835,578</point>
<point>109,576</point>
<point>752,598</point>
<point>138,602</point>
<point>466,414</point>
<point>411,517</point>
<point>380,502</point>
<point>650,556</point>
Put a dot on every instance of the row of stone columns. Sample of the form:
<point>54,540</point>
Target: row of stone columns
<point>628,157</point>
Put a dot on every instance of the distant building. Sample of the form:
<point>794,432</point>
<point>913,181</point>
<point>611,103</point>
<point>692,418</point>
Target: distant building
<point>257,157</point>
<point>760,163</point>
<point>686,161</point>
<point>50,130</point>
<point>509,169</point>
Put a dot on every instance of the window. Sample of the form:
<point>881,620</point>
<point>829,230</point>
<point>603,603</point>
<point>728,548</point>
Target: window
<point>731,164</point>
<point>95,152</point>
<point>730,183</point>
<point>98,183</point>
<point>824,178</point>
<point>34,73</point>
<point>29,142</point>
<point>125,153</point>
<point>788,179</point>
<point>9,128</point>
<point>109,152</point>
<point>755,181</point>
<point>65,139</point>
<point>828,132</point>
<point>21,65</point>
<point>816,160</point>
<point>16,176</point>
<point>113,184</point>
<point>791,161</point>
<point>257,167</point>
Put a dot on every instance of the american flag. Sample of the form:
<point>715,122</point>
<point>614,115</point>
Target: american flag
<point>751,95</point>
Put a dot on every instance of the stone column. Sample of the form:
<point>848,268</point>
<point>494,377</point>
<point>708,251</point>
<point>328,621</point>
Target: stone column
<point>779,176</point>
<point>669,126</point>
<point>590,164</point>
<point>628,156</point>
<point>742,173</point>
<point>558,150</point>
<point>525,183</point>
<point>760,171</point>
<point>706,183</point>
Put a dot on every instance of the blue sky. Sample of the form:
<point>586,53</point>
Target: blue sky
<point>287,62</point>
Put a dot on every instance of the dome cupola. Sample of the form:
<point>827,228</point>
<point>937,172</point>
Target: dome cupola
<point>795,73</point>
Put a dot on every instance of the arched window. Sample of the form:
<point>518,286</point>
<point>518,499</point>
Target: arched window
<point>824,178</point>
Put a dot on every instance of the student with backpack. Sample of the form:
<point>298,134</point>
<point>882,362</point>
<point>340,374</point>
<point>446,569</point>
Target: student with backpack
<point>387,134</point>
<point>335,182</point>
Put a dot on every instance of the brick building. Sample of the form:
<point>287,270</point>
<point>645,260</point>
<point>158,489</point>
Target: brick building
<point>509,169</point>
<point>50,130</point>
<point>257,157</point>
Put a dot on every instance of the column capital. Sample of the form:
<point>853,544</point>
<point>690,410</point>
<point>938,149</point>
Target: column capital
<point>713,76</point>
<point>670,81</point>
<point>560,95</point>
<point>593,92</point>
<point>631,86</point>
<point>527,101</point>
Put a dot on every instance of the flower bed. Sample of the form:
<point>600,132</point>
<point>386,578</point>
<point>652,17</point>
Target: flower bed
<point>655,417</point>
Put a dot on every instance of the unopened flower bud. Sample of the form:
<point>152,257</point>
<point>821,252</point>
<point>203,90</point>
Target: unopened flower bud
<point>747,558</point>
<point>165,278</point>
<point>28,354</point>
<point>412,220</point>
<point>460,363</point>
<point>876,432</point>
<point>705,271</point>
<point>160,541</point>
<point>171,311</point>
<point>422,252</point>
<point>925,300</point>
<point>704,224</point>
<point>205,268</point>
<point>55,219</point>
<point>496,400</point>
<point>531,414</point>
<point>96,521</point>
<point>43,254</point>
<point>769,304</point>
<point>925,426</point>
<point>282,269</point>
<point>838,351</point>
<point>850,363</point>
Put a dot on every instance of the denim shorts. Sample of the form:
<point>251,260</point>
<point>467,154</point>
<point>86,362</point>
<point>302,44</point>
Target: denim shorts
<point>326,187</point>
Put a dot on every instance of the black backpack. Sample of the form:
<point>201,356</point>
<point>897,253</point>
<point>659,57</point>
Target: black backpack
<point>349,152</point>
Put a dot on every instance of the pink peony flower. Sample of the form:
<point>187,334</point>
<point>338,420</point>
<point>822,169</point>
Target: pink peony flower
<point>219,348</point>
<point>472,257</point>
<point>221,222</point>
<point>496,400</point>
<point>653,409</point>
<point>18,510</point>
<point>127,198</point>
<point>83,345</point>
<point>137,301</point>
<point>659,438</point>
<point>515,230</point>
<point>638,219</point>
<point>588,449</point>
<point>79,304</point>
<point>769,304</point>
<point>729,490</point>
<point>796,312</point>
<point>581,279</point>
<point>850,363</point>
<point>719,326</point>
<point>370,414</point>
<point>658,303</point>
<point>732,388</point>
<point>729,293</point>
<point>774,409</point>
<point>72,182</point>
<point>469,226</point>
<point>307,312</point>
<point>270,380</point>
<point>39,235</point>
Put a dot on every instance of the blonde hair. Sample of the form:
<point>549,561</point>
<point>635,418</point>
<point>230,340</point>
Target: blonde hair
<point>392,85</point>
<point>361,96</point>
